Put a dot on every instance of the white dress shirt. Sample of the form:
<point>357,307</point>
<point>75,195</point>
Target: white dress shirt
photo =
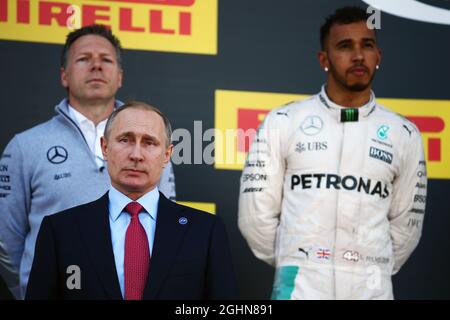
<point>119,221</point>
<point>91,133</point>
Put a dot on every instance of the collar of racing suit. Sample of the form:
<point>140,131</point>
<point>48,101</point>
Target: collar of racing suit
<point>339,112</point>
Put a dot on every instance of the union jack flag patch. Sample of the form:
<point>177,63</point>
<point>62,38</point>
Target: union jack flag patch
<point>323,254</point>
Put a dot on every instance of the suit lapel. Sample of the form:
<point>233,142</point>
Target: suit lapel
<point>168,238</point>
<point>96,233</point>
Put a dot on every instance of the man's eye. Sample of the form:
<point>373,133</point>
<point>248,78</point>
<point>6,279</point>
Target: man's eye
<point>82,59</point>
<point>107,60</point>
<point>125,140</point>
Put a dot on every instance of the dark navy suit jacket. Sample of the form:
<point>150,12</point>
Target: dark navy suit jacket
<point>189,261</point>
<point>5,294</point>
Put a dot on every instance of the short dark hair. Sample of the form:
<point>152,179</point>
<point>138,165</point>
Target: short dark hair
<point>143,106</point>
<point>345,15</point>
<point>94,29</point>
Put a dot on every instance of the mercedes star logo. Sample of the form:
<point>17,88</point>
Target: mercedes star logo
<point>57,154</point>
<point>312,125</point>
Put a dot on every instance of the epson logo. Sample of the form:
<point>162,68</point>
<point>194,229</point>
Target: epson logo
<point>351,183</point>
<point>381,155</point>
<point>254,177</point>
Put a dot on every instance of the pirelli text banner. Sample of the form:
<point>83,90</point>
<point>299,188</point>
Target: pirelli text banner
<point>239,112</point>
<point>187,26</point>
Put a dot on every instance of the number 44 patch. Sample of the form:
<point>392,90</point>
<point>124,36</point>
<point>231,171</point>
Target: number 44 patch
<point>351,255</point>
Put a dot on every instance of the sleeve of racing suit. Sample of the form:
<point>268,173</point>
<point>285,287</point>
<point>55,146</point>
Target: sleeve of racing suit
<point>167,182</point>
<point>407,210</point>
<point>14,205</point>
<point>261,190</point>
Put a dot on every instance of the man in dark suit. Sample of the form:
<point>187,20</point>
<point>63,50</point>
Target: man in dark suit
<point>133,243</point>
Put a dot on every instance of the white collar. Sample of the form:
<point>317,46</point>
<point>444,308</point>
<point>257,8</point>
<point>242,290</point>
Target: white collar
<point>80,118</point>
<point>118,201</point>
<point>335,109</point>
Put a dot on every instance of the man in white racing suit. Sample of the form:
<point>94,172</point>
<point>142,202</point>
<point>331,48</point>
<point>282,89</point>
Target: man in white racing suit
<point>334,188</point>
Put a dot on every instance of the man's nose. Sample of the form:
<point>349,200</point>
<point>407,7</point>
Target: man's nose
<point>358,54</point>
<point>136,153</point>
<point>96,63</point>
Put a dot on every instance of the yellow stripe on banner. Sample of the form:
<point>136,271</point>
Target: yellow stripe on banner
<point>203,206</point>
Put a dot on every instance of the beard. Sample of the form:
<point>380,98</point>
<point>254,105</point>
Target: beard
<point>353,87</point>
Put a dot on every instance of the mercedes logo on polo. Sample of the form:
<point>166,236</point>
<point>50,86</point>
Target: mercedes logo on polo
<point>312,125</point>
<point>57,154</point>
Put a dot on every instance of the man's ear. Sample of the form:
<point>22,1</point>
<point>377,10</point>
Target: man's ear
<point>323,59</point>
<point>168,154</point>
<point>104,145</point>
<point>63,75</point>
<point>380,55</point>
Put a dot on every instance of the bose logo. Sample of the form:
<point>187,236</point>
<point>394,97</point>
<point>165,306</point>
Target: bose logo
<point>412,9</point>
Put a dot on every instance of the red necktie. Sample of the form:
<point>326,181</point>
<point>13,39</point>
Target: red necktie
<point>137,255</point>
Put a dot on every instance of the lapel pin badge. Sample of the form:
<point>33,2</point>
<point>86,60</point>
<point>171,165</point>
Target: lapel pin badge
<point>183,221</point>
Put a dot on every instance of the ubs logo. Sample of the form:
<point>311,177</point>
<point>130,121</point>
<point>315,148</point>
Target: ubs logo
<point>57,155</point>
<point>311,146</point>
